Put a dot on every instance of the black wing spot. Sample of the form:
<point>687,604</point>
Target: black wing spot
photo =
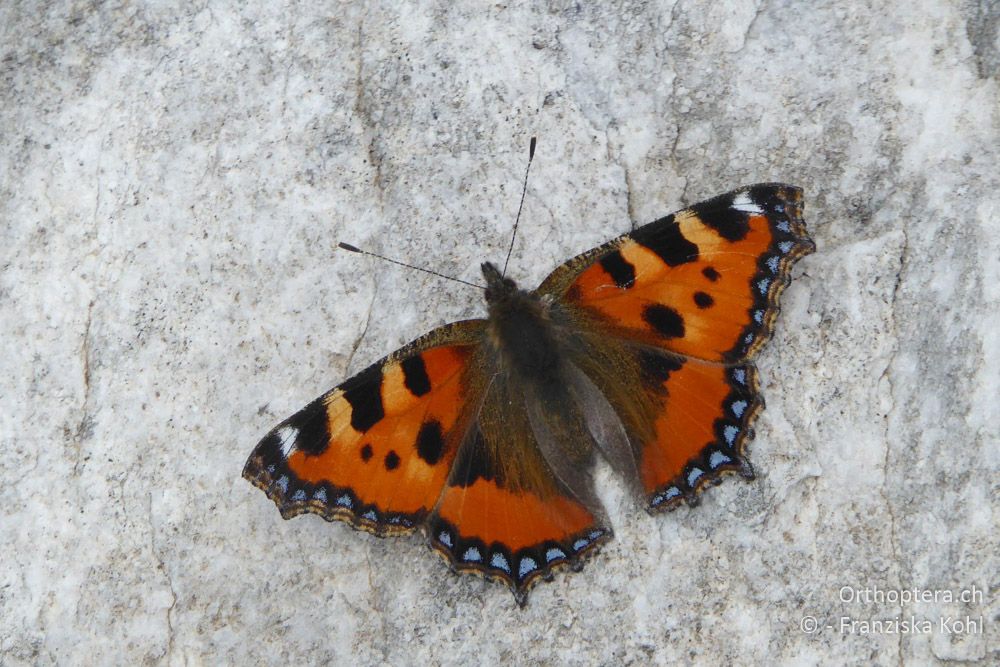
<point>719,214</point>
<point>710,273</point>
<point>366,453</point>
<point>665,320</point>
<point>767,197</point>
<point>620,270</point>
<point>415,375</point>
<point>430,442</point>
<point>703,300</point>
<point>656,368</point>
<point>269,451</point>
<point>313,427</point>
<point>364,393</point>
<point>474,463</point>
<point>391,460</point>
<point>664,237</point>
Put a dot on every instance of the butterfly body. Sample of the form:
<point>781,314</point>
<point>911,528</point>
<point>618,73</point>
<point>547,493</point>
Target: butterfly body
<point>521,330</point>
<point>484,433</point>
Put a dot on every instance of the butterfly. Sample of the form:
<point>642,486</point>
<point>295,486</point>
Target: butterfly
<point>483,434</point>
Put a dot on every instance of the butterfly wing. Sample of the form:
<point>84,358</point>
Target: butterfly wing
<point>376,451</point>
<point>700,432</point>
<point>689,300</point>
<point>433,437</point>
<point>512,511</point>
<point>703,282</point>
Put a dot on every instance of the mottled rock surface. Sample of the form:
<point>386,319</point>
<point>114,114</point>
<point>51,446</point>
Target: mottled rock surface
<point>172,186</point>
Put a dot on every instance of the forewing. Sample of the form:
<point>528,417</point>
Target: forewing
<point>703,282</point>
<point>376,451</point>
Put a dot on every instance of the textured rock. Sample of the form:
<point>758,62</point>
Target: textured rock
<point>172,186</point>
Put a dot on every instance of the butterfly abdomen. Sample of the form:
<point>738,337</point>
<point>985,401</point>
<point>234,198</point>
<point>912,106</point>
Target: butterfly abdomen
<point>533,342</point>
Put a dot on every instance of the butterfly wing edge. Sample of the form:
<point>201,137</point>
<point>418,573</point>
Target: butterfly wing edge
<point>294,497</point>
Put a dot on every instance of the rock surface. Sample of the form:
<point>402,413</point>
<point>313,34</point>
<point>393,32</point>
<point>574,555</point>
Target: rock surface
<point>172,186</point>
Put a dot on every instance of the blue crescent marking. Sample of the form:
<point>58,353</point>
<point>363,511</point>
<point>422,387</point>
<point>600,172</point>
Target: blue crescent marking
<point>717,459</point>
<point>554,554</point>
<point>499,561</point>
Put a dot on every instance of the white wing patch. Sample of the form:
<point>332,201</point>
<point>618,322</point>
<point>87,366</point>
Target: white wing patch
<point>743,203</point>
<point>287,435</point>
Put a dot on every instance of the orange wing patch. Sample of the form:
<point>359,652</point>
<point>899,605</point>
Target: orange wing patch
<point>375,451</point>
<point>703,282</point>
<point>707,415</point>
<point>513,537</point>
<point>516,520</point>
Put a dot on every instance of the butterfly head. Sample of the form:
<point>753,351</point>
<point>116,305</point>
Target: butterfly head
<point>498,288</point>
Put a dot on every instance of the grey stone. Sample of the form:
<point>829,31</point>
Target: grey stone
<point>173,183</point>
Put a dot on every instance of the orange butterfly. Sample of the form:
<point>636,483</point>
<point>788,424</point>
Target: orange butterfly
<point>484,433</point>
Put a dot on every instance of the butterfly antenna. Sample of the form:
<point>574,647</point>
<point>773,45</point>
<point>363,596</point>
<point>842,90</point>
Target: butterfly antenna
<point>531,155</point>
<point>350,248</point>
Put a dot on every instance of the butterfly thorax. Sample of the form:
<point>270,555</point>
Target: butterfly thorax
<point>521,329</point>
